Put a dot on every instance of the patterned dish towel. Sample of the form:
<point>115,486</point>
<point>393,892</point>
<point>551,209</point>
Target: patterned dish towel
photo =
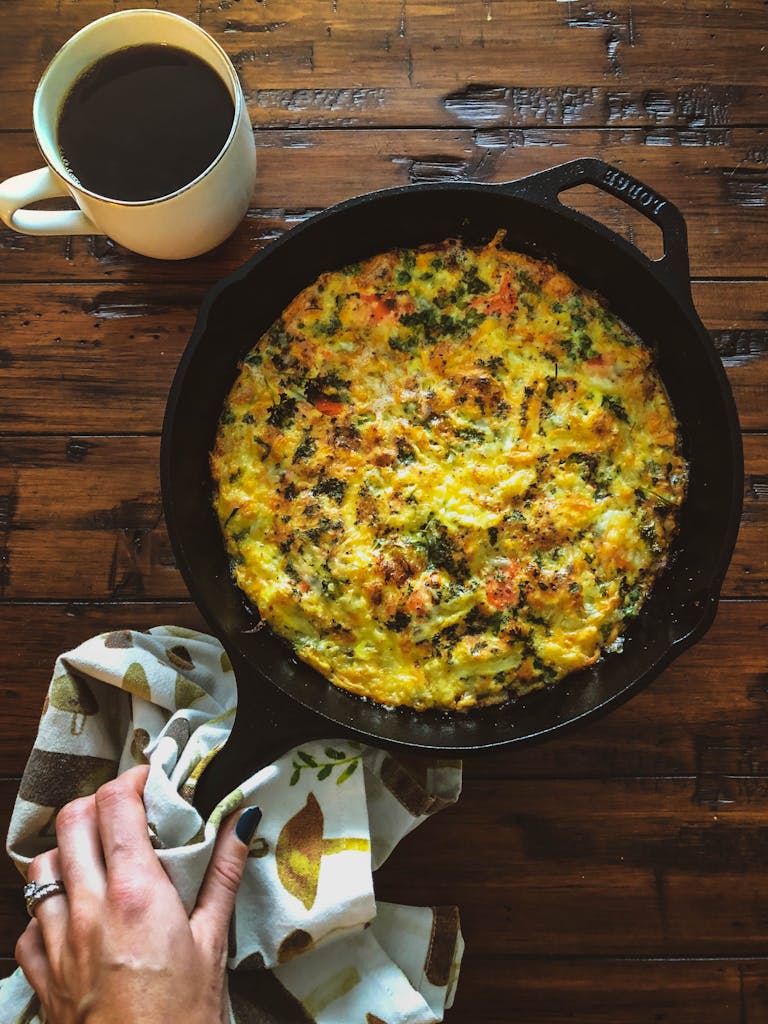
<point>308,941</point>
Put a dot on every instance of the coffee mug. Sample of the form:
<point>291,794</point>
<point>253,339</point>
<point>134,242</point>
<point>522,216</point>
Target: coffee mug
<point>190,220</point>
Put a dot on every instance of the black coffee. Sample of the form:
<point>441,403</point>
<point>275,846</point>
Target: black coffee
<point>143,122</point>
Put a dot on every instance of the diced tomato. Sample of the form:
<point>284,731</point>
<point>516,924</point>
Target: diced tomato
<point>379,306</point>
<point>503,301</point>
<point>328,407</point>
<point>602,365</point>
<point>500,594</point>
<point>502,590</point>
<point>419,602</point>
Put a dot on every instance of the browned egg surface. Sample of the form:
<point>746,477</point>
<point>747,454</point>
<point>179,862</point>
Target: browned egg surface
<point>448,476</point>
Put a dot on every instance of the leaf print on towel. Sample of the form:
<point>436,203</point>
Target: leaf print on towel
<point>68,693</point>
<point>183,632</point>
<point>371,1018</point>
<point>179,731</point>
<point>259,847</point>
<point>406,779</point>
<point>187,791</point>
<point>336,759</point>
<point>135,681</point>
<point>225,806</point>
<point>301,848</point>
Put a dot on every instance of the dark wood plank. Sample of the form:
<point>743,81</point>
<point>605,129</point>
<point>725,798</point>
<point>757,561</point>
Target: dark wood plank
<point>83,520</point>
<point>748,572</point>
<point>616,873</point>
<point>735,313</point>
<point>591,991</point>
<point>705,718</point>
<point>104,355</point>
<point>721,189</point>
<point>630,867</point>
<point>426,62</point>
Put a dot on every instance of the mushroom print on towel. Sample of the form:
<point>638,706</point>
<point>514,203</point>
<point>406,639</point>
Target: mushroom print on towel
<point>301,848</point>
<point>68,693</point>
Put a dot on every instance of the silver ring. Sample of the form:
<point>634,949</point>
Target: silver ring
<point>36,892</point>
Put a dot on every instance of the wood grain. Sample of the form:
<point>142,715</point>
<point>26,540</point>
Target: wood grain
<point>542,991</point>
<point>619,866</point>
<point>415,62</point>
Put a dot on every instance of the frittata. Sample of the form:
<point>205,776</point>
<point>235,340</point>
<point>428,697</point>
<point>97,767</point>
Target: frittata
<point>448,476</point>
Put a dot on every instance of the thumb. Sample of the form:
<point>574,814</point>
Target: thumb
<point>216,898</point>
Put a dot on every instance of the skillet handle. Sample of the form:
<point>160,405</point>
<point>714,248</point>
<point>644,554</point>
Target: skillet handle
<point>267,725</point>
<point>546,186</point>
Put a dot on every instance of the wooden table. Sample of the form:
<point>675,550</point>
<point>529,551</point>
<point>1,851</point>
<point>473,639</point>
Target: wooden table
<point>618,873</point>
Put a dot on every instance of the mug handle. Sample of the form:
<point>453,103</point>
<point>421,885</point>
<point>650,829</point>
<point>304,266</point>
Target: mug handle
<point>32,187</point>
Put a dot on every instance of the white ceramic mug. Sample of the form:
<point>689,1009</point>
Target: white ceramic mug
<point>185,223</point>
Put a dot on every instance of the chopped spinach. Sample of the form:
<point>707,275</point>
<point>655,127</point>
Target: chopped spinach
<point>330,486</point>
<point>435,541</point>
<point>526,282</point>
<point>474,284</point>
<point>398,623</point>
<point>470,434</point>
<point>328,387</point>
<point>330,326</point>
<point>305,448</point>
<point>281,414</point>
<point>616,406</point>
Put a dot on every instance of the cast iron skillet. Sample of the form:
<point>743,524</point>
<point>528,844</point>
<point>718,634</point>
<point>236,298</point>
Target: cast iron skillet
<point>281,700</point>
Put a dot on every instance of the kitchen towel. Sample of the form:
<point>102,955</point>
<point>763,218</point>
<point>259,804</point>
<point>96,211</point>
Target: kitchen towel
<point>308,941</point>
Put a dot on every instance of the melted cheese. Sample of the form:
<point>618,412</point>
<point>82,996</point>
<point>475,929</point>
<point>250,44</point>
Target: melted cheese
<point>447,476</point>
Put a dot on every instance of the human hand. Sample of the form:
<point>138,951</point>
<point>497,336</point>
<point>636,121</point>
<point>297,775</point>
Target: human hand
<point>119,944</point>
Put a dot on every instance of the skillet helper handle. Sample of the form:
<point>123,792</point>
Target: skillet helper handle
<point>673,266</point>
<point>267,725</point>
<point>32,187</point>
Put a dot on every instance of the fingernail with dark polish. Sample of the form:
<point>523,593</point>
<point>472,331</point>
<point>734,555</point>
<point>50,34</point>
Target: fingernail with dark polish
<point>247,824</point>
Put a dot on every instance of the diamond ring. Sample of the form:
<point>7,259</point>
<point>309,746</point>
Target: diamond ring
<point>36,892</point>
